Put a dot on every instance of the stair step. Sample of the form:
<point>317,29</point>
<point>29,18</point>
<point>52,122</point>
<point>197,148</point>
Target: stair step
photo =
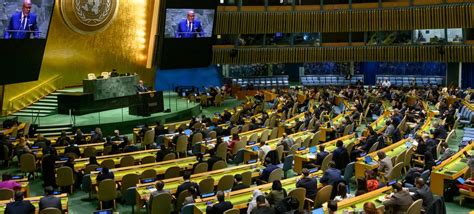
<point>28,110</point>
<point>49,100</point>
<point>50,97</point>
<point>56,125</point>
<point>21,114</point>
<point>42,130</point>
<point>40,107</point>
<point>56,93</point>
<point>41,103</point>
<point>54,134</point>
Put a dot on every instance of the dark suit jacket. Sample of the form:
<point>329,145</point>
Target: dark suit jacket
<point>183,30</point>
<point>399,202</point>
<point>311,186</point>
<point>425,194</point>
<point>239,186</point>
<point>24,207</point>
<point>185,186</point>
<point>73,149</point>
<point>50,201</point>
<point>101,177</point>
<point>330,176</point>
<point>340,157</point>
<point>219,208</point>
<point>141,88</point>
<point>266,172</point>
<point>320,157</point>
<point>211,161</point>
<point>15,24</point>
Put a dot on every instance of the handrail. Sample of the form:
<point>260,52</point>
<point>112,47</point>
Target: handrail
<point>54,83</point>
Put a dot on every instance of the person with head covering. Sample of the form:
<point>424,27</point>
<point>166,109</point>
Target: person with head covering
<point>253,202</point>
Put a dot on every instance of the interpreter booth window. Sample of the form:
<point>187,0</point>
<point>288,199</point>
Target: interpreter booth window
<point>438,36</point>
<point>226,39</point>
<point>253,2</point>
<point>395,37</point>
<point>278,39</point>
<point>250,40</point>
<point>307,39</point>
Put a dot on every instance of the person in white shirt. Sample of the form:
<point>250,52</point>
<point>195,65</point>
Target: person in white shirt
<point>386,83</point>
<point>342,193</point>
<point>263,151</point>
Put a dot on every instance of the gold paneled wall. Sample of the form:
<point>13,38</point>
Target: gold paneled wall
<point>123,45</point>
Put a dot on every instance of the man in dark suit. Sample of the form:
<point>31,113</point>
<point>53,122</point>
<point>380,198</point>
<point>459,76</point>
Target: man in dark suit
<point>212,159</point>
<point>340,155</point>
<point>140,87</point>
<point>331,175</point>
<point>19,206</point>
<point>310,184</point>
<point>399,201</point>
<point>268,169</point>
<point>49,200</point>
<point>105,173</point>
<point>423,192</point>
<point>22,24</point>
<point>189,27</point>
<point>321,155</point>
<point>187,183</point>
<point>72,149</point>
<point>238,183</point>
<point>221,206</point>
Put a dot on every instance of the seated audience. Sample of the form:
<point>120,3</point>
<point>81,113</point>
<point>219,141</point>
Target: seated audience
<point>385,163</point>
<point>19,205</point>
<point>399,201</point>
<point>309,183</point>
<point>342,192</point>
<point>331,175</point>
<point>276,194</point>
<point>187,183</point>
<point>269,167</point>
<point>238,184</point>
<point>221,206</point>
<point>262,206</point>
<point>423,192</point>
<point>105,173</point>
<point>49,200</point>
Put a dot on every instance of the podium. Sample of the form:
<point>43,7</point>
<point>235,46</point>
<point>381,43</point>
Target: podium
<point>146,103</point>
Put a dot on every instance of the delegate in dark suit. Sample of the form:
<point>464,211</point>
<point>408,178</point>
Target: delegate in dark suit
<point>19,23</point>
<point>219,208</point>
<point>189,27</point>
<point>50,201</point>
<point>20,207</point>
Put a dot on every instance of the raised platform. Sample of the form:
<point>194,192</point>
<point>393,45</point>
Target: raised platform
<point>119,118</point>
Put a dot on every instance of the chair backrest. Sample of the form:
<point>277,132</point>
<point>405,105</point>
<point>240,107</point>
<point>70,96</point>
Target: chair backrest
<point>148,159</point>
<point>253,137</point>
<point>169,156</point>
<point>219,165</point>
<point>300,195</point>
<point>396,172</point>
<point>200,168</point>
<point>415,208</point>
<point>247,178</point>
<point>105,75</point>
<point>374,147</point>
<point>274,133</point>
<point>172,172</point>
<point>315,139</point>
<point>197,137</point>
<point>225,183</point>
<point>239,157</point>
<point>6,194</point>
<point>51,210</point>
<point>276,174</point>
<point>90,151</point>
<point>190,209</point>
<point>238,146</point>
<point>91,76</point>
<point>171,129</point>
<point>212,134</point>
<point>426,175</point>
<point>90,168</point>
<point>161,204</point>
<point>280,149</point>
<point>180,199</point>
<point>288,163</point>
<point>149,137</point>
<point>109,163</point>
<point>245,128</point>
<point>64,176</point>
<point>400,158</point>
<point>149,173</point>
<point>27,163</point>
<point>206,185</point>
<point>306,142</point>
<point>349,148</point>
<point>323,196</point>
<point>127,161</point>
<point>107,150</point>
<point>222,151</point>
<point>234,130</point>
<point>232,211</point>
<point>129,180</point>
<point>325,163</point>
<point>182,144</point>
<point>107,190</point>
<point>349,172</point>
<point>264,135</point>
<point>408,155</point>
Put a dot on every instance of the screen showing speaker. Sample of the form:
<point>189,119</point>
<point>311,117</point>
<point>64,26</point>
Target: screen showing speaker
<point>24,31</point>
<point>186,34</point>
<point>25,19</point>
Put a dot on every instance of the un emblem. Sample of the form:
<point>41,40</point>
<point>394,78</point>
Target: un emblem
<point>88,16</point>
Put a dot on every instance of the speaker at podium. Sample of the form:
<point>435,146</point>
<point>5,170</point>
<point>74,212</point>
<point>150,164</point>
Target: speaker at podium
<point>146,103</point>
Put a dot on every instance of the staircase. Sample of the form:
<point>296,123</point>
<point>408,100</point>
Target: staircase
<point>47,106</point>
<point>54,130</point>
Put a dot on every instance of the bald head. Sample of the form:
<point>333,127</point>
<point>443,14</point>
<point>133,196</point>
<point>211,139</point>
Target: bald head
<point>420,182</point>
<point>26,9</point>
<point>190,16</point>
